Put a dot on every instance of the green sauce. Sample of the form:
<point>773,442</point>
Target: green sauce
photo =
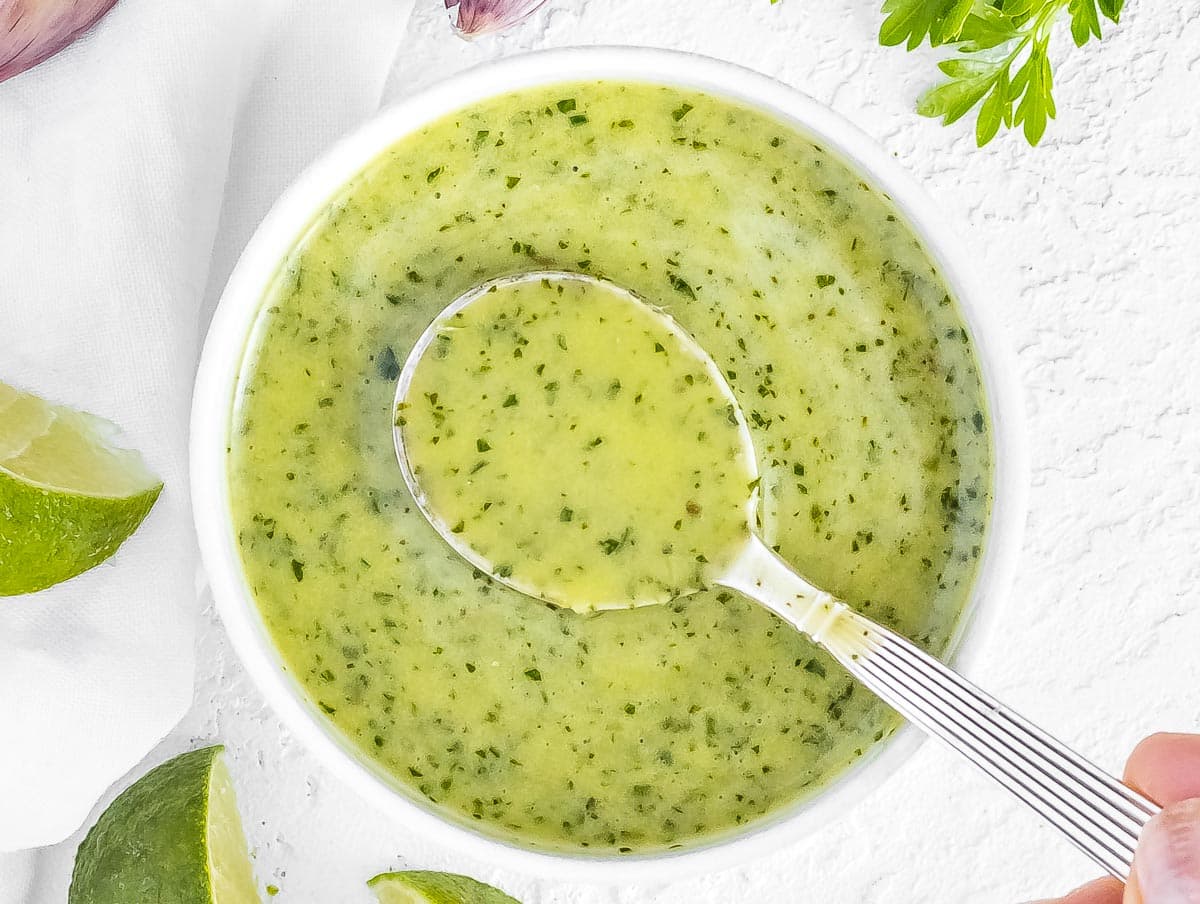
<point>579,444</point>
<point>647,728</point>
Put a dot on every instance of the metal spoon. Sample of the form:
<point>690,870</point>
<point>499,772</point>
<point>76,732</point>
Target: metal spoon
<point>1099,814</point>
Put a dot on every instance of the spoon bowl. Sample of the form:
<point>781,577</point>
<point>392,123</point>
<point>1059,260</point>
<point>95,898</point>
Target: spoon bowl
<point>610,465</point>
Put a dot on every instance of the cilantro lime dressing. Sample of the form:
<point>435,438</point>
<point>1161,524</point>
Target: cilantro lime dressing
<point>643,473</point>
<point>637,729</point>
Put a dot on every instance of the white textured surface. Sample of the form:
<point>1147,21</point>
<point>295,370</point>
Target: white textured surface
<point>1096,237</point>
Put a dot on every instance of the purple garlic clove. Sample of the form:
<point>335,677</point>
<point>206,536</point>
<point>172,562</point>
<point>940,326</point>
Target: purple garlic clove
<point>473,18</point>
<point>35,30</point>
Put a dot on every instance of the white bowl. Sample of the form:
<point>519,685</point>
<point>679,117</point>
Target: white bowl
<point>284,226</point>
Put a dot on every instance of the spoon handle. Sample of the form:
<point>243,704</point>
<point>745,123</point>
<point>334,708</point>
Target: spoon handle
<point>1099,814</point>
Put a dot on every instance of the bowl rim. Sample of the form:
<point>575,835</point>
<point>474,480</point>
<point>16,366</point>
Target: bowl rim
<point>292,215</point>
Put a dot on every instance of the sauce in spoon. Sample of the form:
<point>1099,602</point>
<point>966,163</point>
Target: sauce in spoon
<point>575,442</point>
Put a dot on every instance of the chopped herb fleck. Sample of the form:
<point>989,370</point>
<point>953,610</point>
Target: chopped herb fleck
<point>681,285</point>
<point>611,545</point>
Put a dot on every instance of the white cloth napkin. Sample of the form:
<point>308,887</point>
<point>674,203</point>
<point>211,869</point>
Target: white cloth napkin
<point>114,158</point>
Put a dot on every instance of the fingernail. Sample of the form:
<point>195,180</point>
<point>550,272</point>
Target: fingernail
<point>1168,856</point>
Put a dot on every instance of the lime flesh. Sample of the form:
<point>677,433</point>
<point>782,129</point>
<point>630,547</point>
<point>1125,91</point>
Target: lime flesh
<point>173,837</point>
<point>426,887</point>
<point>69,497</point>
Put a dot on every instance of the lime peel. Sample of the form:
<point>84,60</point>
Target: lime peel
<point>69,496</point>
<point>429,887</point>
<point>173,837</point>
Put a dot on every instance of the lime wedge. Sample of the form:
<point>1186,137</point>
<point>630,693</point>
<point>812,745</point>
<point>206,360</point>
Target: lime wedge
<point>425,887</point>
<point>172,837</point>
<point>68,496</point>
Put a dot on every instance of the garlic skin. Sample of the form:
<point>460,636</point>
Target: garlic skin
<point>472,18</point>
<point>34,30</point>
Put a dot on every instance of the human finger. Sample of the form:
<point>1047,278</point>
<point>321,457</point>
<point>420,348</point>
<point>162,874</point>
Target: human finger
<point>1166,867</point>
<point>1101,891</point>
<point>1166,767</point>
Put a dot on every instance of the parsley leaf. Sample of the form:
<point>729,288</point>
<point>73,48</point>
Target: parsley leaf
<point>1003,68</point>
<point>1085,21</point>
<point>909,22</point>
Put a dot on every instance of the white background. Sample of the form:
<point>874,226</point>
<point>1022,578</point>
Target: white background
<point>1093,241</point>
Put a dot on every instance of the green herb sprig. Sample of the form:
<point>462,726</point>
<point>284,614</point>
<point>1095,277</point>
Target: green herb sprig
<point>993,37</point>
